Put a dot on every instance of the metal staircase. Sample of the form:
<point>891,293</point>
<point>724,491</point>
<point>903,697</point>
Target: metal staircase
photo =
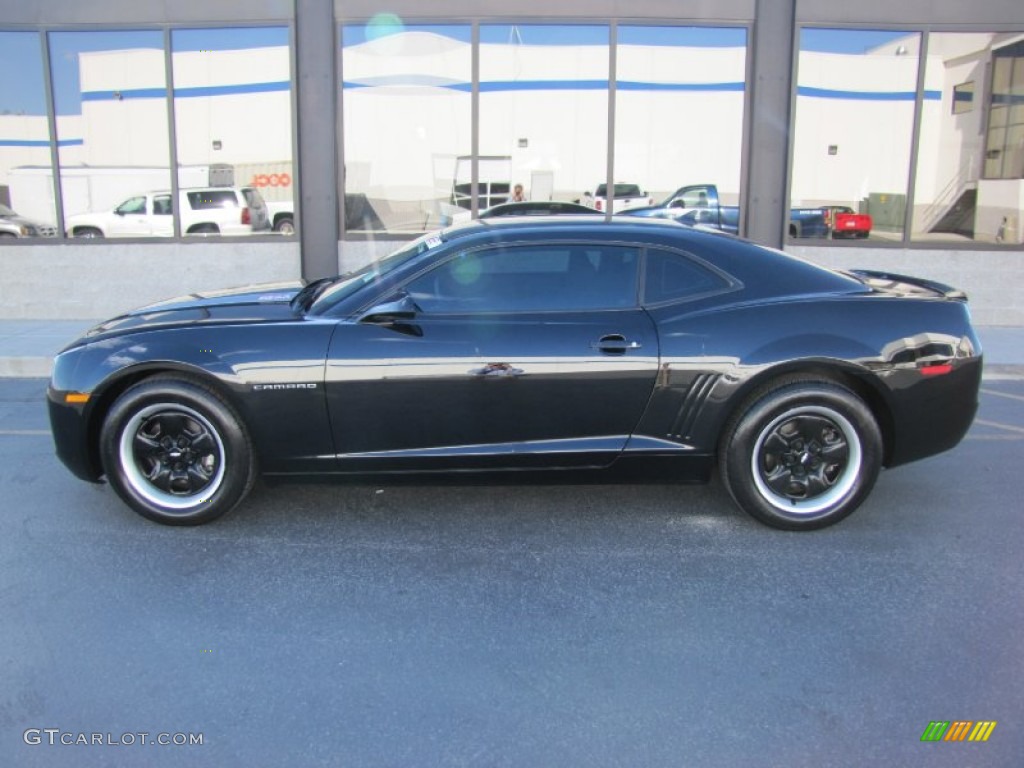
<point>959,217</point>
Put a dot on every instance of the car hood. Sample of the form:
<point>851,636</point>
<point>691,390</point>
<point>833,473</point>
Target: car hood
<point>252,304</point>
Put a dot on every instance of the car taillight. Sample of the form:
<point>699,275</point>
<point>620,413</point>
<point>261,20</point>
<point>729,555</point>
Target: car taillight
<point>246,216</point>
<point>597,204</point>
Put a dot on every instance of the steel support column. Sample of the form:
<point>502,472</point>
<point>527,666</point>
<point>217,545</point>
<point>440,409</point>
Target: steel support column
<point>317,167</point>
<point>764,197</point>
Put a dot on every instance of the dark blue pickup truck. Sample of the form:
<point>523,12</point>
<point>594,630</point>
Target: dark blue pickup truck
<point>698,204</point>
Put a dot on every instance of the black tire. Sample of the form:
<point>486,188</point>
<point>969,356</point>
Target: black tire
<point>88,232</point>
<point>285,226</point>
<point>176,452</point>
<point>801,454</point>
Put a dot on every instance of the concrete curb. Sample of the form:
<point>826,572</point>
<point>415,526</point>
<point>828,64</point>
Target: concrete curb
<point>25,367</point>
<point>1003,373</point>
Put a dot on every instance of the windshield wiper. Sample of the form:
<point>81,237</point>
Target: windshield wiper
<point>304,299</point>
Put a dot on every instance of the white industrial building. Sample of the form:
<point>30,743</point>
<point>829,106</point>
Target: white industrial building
<point>406,108</point>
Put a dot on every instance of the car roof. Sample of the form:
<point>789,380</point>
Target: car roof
<point>770,270</point>
<point>555,224</point>
<point>535,208</point>
<point>191,189</point>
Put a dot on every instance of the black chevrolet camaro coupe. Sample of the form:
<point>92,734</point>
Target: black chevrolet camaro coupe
<point>567,343</point>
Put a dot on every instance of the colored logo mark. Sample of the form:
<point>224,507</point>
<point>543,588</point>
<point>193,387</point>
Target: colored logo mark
<point>958,730</point>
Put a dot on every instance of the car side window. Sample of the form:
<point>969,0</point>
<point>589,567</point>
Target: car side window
<point>162,205</point>
<point>541,278</point>
<point>672,276</point>
<point>212,198</point>
<point>133,205</point>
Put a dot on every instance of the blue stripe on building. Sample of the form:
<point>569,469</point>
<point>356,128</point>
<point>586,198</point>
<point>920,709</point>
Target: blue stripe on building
<point>40,143</point>
<point>828,93</point>
<point>500,86</point>
<point>187,93</point>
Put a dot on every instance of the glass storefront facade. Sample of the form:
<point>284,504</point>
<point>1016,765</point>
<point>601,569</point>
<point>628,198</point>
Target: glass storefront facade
<point>107,130</point>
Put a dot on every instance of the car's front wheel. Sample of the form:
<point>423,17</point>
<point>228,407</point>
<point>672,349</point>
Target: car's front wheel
<point>802,454</point>
<point>176,452</point>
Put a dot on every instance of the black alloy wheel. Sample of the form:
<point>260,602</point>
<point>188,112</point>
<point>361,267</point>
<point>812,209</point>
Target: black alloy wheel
<point>176,452</point>
<point>802,454</point>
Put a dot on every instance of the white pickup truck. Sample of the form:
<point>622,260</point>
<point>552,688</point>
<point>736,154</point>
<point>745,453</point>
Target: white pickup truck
<point>626,196</point>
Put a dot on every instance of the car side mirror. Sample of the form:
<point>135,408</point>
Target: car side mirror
<point>391,312</point>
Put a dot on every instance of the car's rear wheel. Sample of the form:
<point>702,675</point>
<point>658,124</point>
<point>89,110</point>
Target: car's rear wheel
<point>176,452</point>
<point>204,229</point>
<point>285,226</point>
<point>802,454</point>
<point>89,232</point>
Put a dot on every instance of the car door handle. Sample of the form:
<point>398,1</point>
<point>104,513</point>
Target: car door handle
<point>615,344</point>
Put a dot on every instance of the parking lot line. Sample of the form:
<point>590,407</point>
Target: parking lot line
<point>1002,394</point>
<point>999,425</point>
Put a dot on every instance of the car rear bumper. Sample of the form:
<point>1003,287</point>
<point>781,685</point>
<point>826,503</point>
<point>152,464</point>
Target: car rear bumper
<point>932,414</point>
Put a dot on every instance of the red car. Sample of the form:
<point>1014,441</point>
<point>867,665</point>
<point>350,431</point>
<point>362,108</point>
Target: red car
<point>841,221</point>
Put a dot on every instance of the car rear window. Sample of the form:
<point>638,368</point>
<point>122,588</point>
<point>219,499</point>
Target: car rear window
<point>253,198</point>
<point>621,190</point>
<point>672,276</point>
<point>212,198</point>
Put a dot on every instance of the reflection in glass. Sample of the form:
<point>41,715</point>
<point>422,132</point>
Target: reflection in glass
<point>856,91</point>
<point>963,97</point>
<point>26,186</point>
<point>110,97</point>
<point>952,199</point>
<point>544,110</point>
<point>1001,191</point>
<point>233,124</point>
<point>679,108</point>
<point>406,106</point>
<point>1005,150</point>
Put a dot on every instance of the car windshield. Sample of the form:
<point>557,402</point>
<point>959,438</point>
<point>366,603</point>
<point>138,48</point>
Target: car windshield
<point>346,285</point>
<point>621,190</point>
<point>6,212</point>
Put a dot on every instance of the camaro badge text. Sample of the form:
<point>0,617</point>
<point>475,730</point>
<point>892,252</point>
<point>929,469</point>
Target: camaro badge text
<point>263,387</point>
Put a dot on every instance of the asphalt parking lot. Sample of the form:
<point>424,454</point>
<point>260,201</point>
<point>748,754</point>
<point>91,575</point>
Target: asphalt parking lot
<point>501,625</point>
